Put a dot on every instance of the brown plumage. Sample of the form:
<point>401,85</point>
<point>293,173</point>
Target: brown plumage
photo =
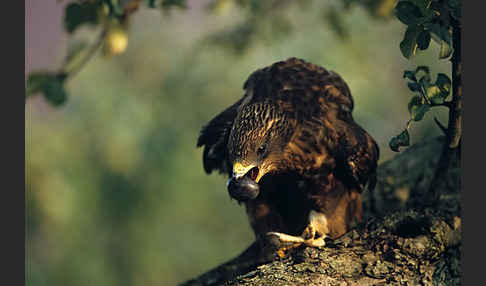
<point>293,153</point>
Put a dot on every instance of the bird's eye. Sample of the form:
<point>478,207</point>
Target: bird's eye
<point>261,150</point>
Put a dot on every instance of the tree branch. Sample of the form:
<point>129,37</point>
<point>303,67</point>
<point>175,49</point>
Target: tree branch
<point>455,112</point>
<point>92,50</point>
<point>398,243</point>
<point>454,127</point>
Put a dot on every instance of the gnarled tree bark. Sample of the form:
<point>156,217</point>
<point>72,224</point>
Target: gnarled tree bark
<point>402,241</point>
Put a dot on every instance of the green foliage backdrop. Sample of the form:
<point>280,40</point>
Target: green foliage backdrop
<point>115,189</point>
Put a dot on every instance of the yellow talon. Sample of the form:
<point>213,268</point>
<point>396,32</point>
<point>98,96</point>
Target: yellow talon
<point>281,253</point>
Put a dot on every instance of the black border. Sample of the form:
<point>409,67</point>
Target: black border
<point>13,141</point>
<point>473,169</point>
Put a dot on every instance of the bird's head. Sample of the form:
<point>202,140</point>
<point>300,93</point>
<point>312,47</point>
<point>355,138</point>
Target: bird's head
<point>256,144</point>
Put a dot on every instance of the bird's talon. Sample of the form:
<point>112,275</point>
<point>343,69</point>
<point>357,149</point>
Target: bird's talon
<point>319,242</point>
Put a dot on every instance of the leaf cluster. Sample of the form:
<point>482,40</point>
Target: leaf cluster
<point>427,20</point>
<point>427,94</point>
<point>94,12</point>
<point>112,17</point>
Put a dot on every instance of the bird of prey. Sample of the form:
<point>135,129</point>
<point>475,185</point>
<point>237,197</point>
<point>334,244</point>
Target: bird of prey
<point>293,154</point>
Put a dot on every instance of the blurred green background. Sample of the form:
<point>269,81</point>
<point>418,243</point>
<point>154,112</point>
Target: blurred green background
<point>115,189</point>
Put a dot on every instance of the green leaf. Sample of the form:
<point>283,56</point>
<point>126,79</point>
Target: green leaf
<point>432,91</point>
<point>435,30</point>
<point>438,93</point>
<point>410,75</point>
<point>442,32</point>
<point>445,50</point>
<point>408,13</point>
<point>424,69</point>
<point>77,14</point>
<point>425,82</point>
<point>54,92</point>
<point>416,100</point>
<point>417,108</point>
<point>437,100</point>
<point>443,36</point>
<point>423,40</point>
<point>443,82</point>
<point>422,73</point>
<point>36,82</point>
<point>413,86</point>
<point>403,139</point>
<point>434,94</point>
<point>50,84</point>
<point>418,111</point>
<point>408,46</point>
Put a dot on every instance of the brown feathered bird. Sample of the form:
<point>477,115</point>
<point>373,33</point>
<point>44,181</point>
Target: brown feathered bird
<point>293,153</point>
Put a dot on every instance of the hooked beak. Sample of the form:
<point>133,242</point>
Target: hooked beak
<point>243,184</point>
<point>255,173</point>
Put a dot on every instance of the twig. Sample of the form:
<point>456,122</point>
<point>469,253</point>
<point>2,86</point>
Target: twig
<point>445,104</point>
<point>92,50</point>
<point>441,126</point>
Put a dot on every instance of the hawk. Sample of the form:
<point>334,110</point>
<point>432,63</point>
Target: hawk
<point>293,154</point>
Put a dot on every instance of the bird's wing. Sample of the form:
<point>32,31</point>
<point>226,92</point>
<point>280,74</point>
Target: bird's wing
<point>357,158</point>
<point>214,137</point>
<point>328,140</point>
